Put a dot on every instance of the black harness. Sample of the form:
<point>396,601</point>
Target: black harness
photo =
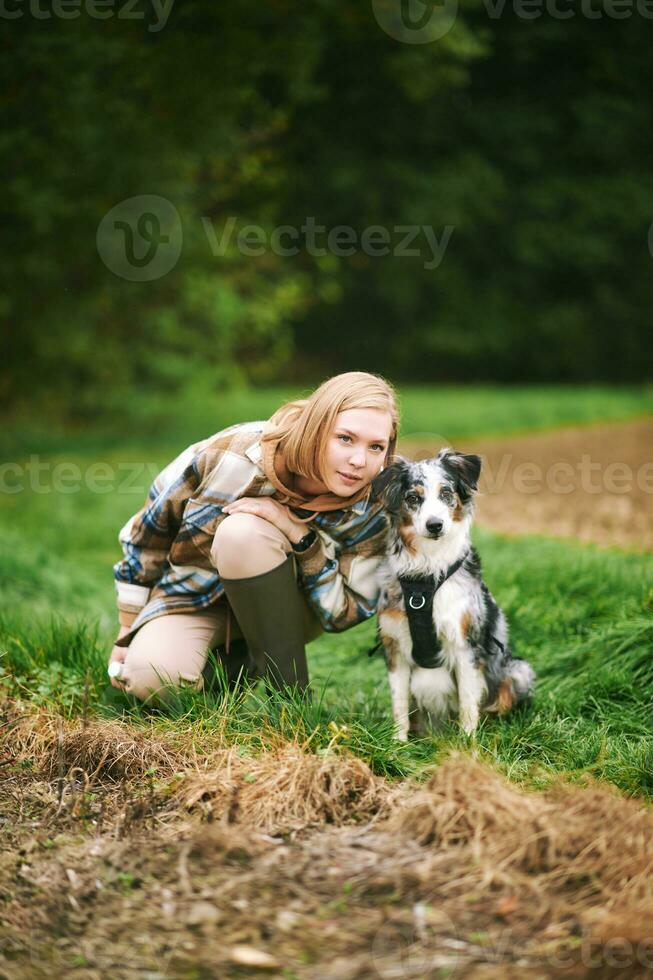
<point>418,599</point>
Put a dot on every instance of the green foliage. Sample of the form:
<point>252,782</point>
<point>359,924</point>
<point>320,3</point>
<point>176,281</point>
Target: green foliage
<point>57,663</point>
<point>126,126</point>
<point>529,138</point>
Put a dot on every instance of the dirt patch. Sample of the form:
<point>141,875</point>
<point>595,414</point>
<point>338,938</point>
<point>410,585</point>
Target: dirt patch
<point>593,483</point>
<point>89,765</point>
<point>466,876</point>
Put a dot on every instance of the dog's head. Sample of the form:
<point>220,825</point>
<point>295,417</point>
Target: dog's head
<point>431,497</point>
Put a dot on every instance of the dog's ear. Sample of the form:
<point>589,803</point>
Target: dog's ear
<point>388,484</point>
<point>465,469</point>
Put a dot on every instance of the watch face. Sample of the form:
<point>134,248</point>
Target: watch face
<point>305,542</point>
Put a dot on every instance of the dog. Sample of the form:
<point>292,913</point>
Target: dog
<point>444,637</point>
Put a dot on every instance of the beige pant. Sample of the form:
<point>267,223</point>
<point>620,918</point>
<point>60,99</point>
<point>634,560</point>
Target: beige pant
<point>174,648</point>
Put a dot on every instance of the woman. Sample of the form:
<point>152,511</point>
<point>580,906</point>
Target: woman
<point>256,539</point>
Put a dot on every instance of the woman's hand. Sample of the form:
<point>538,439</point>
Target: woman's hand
<point>272,511</point>
<point>118,655</point>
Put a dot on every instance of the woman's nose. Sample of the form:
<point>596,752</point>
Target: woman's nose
<point>357,458</point>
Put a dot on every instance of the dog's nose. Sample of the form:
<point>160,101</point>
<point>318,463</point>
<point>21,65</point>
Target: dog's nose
<point>434,527</point>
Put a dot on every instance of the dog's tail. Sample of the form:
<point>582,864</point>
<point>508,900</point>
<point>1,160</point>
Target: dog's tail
<point>515,686</point>
<point>522,676</point>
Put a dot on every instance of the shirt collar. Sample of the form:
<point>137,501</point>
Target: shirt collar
<point>254,453</point>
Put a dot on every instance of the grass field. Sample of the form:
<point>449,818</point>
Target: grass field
<point>583,616</point>
<point>143,423</point>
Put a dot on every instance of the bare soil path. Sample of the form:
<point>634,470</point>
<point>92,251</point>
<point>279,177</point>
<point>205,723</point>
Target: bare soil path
<point>301,867</point>
<point>592,483</point>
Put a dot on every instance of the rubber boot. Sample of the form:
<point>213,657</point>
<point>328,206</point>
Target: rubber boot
<point>269,609</point>
<point>237,664</point>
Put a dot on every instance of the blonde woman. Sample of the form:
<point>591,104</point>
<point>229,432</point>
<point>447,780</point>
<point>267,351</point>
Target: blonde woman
<point>254,540</point>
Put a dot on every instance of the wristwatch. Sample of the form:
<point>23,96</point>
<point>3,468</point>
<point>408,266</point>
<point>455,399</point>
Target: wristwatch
<point>304,543</point>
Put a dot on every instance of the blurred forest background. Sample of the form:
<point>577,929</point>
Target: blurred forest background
<point>531,138</point>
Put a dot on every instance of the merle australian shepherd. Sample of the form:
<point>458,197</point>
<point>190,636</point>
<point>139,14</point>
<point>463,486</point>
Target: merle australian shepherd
<point>450,654</point>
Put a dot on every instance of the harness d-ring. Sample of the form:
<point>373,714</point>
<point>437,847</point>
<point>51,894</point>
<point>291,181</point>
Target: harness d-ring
<point>421,605</point>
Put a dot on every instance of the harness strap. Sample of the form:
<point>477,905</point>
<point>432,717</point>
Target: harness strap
<point>419,593</point>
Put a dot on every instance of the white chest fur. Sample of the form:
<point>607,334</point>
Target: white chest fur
<point>439,691</point>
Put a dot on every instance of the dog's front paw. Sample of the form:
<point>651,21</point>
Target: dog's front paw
<point>469,721</point>
<point>401,735</point>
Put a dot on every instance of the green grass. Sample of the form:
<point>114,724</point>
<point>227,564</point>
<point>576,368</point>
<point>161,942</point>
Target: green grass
<point>583,616</point>
<point>448,411</point>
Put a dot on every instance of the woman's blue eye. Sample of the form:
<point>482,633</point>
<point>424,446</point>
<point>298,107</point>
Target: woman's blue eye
<point>377,447</point>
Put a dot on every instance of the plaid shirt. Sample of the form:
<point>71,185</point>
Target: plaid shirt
<point>167,566</point>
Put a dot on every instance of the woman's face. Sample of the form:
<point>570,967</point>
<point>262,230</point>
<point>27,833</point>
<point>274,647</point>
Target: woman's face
<point>356,449</point>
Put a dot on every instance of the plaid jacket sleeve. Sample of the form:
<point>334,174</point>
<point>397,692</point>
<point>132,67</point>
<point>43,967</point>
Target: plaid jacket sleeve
<point>341,583</point>
<point>147,536</point>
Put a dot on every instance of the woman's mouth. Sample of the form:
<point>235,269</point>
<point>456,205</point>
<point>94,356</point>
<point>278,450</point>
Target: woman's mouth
<point>349,478</point>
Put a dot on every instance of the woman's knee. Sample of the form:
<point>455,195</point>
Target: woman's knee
<point>170,651</point>
<point>148,674</point>
<point>246,545</point>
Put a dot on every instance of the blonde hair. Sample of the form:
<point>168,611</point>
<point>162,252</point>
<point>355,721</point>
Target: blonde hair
<point>303,426</point>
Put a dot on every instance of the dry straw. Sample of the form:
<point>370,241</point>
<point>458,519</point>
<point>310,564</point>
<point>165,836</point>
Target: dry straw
<point>437,865</point>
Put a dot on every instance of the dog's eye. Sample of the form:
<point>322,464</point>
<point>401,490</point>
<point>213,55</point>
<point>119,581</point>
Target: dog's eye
<point>446,496</point>
<point>412,499</point>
